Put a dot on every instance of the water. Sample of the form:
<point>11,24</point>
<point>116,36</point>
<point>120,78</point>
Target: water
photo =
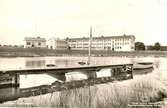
<point>35,62</point>
<point>41,62</point>
<point>32,80</point>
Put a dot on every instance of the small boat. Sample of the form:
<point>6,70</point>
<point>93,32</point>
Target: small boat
<point>50,65</point>
<point>143,65</point>
<point>81,63</point>
<point>89,51</point>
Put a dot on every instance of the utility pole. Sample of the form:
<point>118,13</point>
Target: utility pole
<point>90,45</point>
<point>35,24</point>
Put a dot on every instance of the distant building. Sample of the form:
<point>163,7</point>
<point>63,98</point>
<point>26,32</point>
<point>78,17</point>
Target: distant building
<point>32,42</point>
<point>114,43</point>
<point>55,43</point>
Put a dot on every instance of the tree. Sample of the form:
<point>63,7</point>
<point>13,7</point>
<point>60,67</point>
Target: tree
<point>157,46</point>
<point>139,46</point>
<point>150,47</point>
<point>67,38</point>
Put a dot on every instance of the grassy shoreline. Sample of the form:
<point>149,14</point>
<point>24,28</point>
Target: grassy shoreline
<point>144,90</point>
<point>37,52</point>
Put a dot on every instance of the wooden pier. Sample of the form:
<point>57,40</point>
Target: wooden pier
<point>11,79</point>
<point>63,70</point>
<point>59,73</point>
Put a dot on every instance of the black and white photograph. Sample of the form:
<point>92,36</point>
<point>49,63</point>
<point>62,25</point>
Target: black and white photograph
<point>83,53</point>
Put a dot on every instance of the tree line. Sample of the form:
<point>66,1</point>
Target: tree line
<point>141,46</point>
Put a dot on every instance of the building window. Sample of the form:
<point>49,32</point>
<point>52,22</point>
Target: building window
<point>28,43</point>
<point>39,44</point>
<point>32,45</point>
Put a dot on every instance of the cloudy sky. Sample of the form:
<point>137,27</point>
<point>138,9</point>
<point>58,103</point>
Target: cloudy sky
<point>146,19</point>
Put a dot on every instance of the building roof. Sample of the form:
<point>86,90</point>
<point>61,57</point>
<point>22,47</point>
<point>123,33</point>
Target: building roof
<point>104,37</point>
<point>53,38</point>
<point>34,39</point>
<point>57,39</point>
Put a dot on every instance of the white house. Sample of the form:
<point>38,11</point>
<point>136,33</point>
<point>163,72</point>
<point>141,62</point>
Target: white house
<point>114,43</point>
<point>56,43</point>
<point>34,42</point>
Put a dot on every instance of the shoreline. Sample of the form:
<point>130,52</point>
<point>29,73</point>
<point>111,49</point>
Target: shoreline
<point>37,52</point>
<point>115,54</point>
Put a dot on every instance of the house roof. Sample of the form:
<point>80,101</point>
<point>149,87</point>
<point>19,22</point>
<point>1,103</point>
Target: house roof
<point>34,39</point>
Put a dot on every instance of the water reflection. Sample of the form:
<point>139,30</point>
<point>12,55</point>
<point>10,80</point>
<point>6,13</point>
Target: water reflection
<point>35,64</point>
<point>9,93</point>
<point>58,62</point>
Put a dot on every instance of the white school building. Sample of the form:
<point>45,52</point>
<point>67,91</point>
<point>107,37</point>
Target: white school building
<point>114,43</point>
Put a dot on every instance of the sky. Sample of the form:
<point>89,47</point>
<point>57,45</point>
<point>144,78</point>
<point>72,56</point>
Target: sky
<point>145,19</point>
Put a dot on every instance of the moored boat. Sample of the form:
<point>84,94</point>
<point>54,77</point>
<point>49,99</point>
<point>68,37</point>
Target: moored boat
<point>143,65</point>
<point>50,65</point>
<point>81,63</point>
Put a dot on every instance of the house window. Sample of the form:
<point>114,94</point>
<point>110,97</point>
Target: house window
<point>28,43</point>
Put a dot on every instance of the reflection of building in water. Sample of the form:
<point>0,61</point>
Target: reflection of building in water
<point>35,64</point>
<point>31,42</point>
<point>56,43</point>
<point>114,43</point>
<point>65,62</point>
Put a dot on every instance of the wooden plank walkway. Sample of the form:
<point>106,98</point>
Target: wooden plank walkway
<point>62,70</point>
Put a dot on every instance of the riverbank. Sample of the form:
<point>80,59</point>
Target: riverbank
<point>37,52</point>
<point>146,90</point>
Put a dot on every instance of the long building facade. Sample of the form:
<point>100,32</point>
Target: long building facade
<point>114,43</point>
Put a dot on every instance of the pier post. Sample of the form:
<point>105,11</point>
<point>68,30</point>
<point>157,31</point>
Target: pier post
<point>91,74</point>
<point>16,80</point>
